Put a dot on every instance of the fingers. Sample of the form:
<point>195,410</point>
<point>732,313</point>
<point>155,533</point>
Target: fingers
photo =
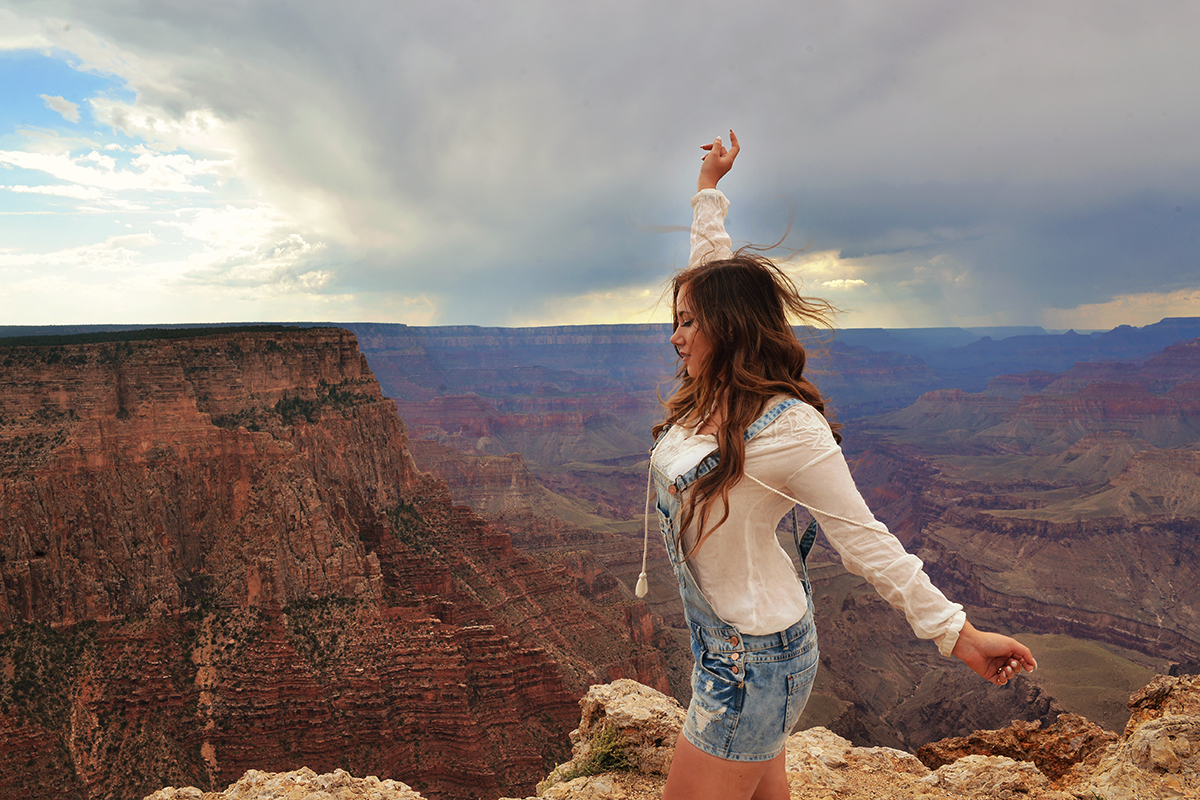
<point>1011,667</point>
<point>1025,655</point>
<point>734,147</point>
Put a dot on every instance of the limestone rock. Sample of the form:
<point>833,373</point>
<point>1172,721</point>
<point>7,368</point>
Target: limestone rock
<point>814,758</point>
<point>996,777</point>
<point>1164,695</point>
<point>301,783</point>
<point>644,723</point>
<point>1158,758</point>
<point>592,787</point>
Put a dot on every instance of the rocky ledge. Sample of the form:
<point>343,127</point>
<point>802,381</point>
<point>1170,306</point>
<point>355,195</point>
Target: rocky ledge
<point>625,740</point>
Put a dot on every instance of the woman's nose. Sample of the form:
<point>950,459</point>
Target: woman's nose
<point>677,337</point>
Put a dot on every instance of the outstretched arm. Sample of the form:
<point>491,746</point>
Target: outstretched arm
<point>717,161</point>
<point>995,657</point>
<point>709,239</point>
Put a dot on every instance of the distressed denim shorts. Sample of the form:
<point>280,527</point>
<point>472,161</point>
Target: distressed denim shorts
<point>748,691</point>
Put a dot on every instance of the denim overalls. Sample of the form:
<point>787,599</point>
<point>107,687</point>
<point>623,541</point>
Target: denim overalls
<point>747,691</point>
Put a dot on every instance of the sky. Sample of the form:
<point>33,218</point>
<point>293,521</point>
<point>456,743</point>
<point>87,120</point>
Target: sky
<point>520,162</point>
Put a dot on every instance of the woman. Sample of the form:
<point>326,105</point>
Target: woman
<point>745,439</point>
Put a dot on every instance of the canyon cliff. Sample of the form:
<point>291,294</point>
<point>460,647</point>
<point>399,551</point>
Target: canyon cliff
<point>218,554</point>
<point>1071,510</point>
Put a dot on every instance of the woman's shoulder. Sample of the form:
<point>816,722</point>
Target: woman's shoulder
<point>799,421</point>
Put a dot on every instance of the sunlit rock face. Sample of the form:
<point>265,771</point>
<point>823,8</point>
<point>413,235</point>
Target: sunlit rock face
<point>217,554</point>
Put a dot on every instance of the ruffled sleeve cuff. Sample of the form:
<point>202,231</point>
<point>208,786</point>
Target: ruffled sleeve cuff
<point>946,641</point>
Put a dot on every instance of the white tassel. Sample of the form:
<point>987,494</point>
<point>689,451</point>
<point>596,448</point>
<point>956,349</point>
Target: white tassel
<point>643,585</point>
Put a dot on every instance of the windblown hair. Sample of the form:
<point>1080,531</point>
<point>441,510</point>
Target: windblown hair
<point>742,304</point>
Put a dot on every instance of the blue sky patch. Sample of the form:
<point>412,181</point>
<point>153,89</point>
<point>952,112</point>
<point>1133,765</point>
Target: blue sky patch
<point>26,75</point>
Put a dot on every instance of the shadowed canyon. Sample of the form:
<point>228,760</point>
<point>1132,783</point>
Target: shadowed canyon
<point>227,548</point>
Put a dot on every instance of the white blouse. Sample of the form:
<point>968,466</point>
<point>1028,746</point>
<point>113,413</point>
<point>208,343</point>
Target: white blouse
<point>744,573</point>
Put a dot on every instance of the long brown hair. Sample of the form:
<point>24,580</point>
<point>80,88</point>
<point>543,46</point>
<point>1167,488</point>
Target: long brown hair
<point>742,305</point>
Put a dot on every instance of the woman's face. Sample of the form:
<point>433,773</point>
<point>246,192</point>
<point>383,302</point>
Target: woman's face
<point>690,342</point>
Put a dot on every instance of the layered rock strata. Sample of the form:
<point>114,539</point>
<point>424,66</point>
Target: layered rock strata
<point>217,554</point>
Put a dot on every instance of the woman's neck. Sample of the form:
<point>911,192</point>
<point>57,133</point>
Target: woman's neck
<point>710,424</point>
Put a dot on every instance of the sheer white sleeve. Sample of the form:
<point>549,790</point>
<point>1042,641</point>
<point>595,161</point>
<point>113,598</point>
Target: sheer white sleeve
<point>867,547</point>
<point>709,239</point>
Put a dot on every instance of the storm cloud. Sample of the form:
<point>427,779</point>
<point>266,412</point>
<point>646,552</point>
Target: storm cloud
<point>933,163</point>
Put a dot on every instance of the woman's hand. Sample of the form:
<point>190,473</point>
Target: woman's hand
<point>717,162</point>
<point>995,657</point>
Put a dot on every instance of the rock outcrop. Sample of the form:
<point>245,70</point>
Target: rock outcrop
<point>624,745</point>
<point>1156,758</point>
<point>300,783</point>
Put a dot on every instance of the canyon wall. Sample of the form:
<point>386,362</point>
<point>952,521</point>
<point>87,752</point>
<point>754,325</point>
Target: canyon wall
<point>1072,509</point>
<point>217,553</point>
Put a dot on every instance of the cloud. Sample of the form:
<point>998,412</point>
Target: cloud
<point>1132,309</point>
<point>77,192</point>
<point>480,163</point>
<point>113,253</point>
<point>69,110</point>
<point>635,305</point>
<point>146,172</point>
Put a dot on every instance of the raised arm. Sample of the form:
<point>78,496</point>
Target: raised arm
<point>709,239</point>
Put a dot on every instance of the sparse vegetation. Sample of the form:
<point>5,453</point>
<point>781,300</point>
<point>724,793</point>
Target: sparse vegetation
<point>315,627</point>
<point>606,755</point>
<point>408,526</point>
<point>247,418</point>
<point>292,407</point>
<point>40,666</point>
<point>139,335</point>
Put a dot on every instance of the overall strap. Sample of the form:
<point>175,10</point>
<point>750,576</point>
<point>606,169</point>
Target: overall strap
<point>769,416</point>
<point>805,541</point>
<point>804,545</point>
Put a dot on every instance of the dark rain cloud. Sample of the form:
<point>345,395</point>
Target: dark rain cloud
<point>502,155</point>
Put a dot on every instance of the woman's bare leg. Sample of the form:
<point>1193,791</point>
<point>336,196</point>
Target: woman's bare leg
<point>695,775</point>
<point>773,785</point>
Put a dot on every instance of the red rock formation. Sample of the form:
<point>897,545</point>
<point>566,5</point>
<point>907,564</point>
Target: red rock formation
<point>1176,364</point>
<point>604,565</point>
<point>217,554</point>
<point>950,410</point>
<point>1014,387</point>
<point>1055,750</point>
<point>1158,402</point>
